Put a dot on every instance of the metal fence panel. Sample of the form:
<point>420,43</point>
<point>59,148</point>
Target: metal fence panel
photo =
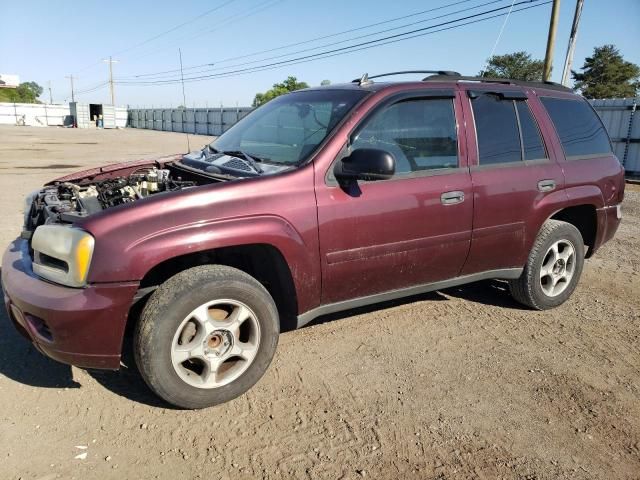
<point>200,121</point>
<point>619,116</point>
<point>109,116</point>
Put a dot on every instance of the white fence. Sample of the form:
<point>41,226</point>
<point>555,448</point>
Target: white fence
<point>202,121</point>
<point>619,116</point>
<point>34,114</point>
<point>43,115</point>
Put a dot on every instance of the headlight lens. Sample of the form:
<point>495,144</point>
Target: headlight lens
<point>62,254</point>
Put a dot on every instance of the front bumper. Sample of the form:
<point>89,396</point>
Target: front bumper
<point>78,326</point>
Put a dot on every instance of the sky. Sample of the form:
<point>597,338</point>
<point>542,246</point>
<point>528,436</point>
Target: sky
<point>47,40</point>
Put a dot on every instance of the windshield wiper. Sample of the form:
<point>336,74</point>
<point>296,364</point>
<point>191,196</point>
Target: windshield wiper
<point>253,161</point>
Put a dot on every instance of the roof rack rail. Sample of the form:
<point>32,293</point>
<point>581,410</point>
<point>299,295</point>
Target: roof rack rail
<point>506,81</point>
<point>367,79</point>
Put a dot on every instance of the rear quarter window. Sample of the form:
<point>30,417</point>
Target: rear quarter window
<point>580,130</point>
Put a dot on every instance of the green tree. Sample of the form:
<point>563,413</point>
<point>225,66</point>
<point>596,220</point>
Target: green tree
<point>289,85</point>
<point>517,65</point>
<point>27,92</point>
<point>606,74</point>
<point>324,83</point>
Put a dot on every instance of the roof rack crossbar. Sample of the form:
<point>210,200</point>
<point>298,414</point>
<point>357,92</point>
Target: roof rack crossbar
<point>366,78</point>
<point>506,81</point>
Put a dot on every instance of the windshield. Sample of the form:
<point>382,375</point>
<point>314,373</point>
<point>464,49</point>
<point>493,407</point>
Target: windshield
<point>289,128</point>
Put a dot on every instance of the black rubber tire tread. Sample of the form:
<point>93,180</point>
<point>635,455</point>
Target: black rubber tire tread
<point>171,302</point>
<point>526,289</point>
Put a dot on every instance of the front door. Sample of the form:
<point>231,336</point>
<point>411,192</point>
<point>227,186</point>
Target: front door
<point>412,229</point>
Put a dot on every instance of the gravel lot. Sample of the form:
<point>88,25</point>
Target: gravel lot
<point>461,383</point>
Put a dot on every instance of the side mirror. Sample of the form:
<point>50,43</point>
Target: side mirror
<point>366,164</point>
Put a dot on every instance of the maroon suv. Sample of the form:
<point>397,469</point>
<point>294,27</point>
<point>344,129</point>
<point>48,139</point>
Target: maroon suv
<point>322,200</point>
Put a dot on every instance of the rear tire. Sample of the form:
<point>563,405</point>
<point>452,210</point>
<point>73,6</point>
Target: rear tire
<point>553,268</point>
<point>206,336</point>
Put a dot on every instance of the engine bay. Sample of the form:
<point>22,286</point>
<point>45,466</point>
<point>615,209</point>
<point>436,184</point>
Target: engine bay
<point>66,202</point>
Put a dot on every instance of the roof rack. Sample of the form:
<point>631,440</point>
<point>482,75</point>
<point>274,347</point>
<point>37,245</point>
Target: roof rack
<point>506,81</point>
<point>365,79</point>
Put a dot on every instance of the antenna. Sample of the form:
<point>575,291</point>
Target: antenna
<point>184,102</point>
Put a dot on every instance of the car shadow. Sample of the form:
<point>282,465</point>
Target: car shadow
<point>493,293</point>
<point>332,317</point>
<point>21,362</point>
<point>487,292</point>
<point>127,382</point>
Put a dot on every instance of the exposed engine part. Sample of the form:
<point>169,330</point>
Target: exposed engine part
<point>66,202</point>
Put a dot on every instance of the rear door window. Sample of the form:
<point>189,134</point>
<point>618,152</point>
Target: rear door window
<point>532,146</point>
<point>580,130</point>
<point>496,130</point>
<point>506,130</point>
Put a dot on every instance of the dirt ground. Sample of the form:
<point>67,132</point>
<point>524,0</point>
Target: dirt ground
<point>462,383</point>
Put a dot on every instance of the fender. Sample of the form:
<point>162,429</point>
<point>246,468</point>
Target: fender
<point>133,238</point>
<point>143,254</point>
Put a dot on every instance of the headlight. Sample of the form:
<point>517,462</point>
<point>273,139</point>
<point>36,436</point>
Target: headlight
<point>62,254</point>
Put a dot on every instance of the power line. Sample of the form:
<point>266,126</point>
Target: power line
<point>197,17</point>
<point>327,44</point>
<point>388,42</point>
<point>385,43</point>
<point>495,45</point>
<point>364,27</point>
<point>222,23</point>
<point>347,49</point>
<point>99,86</point>
<point>173,29</point>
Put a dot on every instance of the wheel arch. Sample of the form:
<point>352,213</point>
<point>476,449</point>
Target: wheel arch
<point>584,217</point>
<point>576,205</point>
<point>263,261</point>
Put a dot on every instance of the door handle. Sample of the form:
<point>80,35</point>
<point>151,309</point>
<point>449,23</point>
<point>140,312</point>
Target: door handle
<point>546,185</point>
<point>451,198</point>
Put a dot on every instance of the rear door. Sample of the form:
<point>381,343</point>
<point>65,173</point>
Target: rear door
<point>512,170</point>
<point>588,157</point>
<point>412,229</point>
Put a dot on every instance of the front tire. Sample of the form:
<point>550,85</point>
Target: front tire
<point>206,336</point>
<point>553,268</point>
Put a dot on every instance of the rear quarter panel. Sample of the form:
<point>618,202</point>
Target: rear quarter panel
<point>596,180</point>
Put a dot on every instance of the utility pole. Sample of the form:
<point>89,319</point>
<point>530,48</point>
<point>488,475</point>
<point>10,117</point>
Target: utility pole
<point>111,61</point>
<point>73,97</point>
<point>566,71</point>
<point>50,94</point>
<point>551,41</point>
